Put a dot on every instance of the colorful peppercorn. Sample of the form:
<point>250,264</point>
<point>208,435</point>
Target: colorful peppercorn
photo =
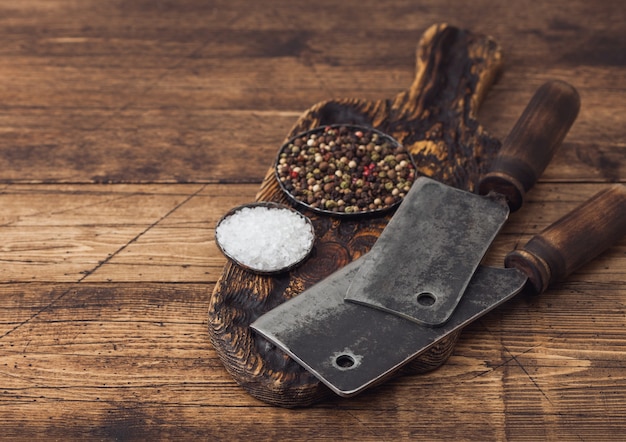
<point>345,169</point>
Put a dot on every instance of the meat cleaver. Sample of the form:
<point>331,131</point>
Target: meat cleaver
<point>422,281</point>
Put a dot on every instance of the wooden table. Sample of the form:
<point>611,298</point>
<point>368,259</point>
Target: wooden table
<point>127,128</point>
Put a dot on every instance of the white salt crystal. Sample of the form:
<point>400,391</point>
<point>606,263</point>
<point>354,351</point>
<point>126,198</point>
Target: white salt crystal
<point>265,239</point>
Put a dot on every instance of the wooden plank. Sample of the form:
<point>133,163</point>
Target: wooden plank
<point>227,146</point>
<point>161,145</point>
<point>135,358</point>
<point>165,233</point>
<point>61,233</point>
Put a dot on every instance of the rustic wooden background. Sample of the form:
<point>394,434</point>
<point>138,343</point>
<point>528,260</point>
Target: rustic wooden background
<point>128,127</point>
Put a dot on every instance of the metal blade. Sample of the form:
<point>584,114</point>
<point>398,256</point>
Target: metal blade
<point>349,346</point>
<point>423,261</point>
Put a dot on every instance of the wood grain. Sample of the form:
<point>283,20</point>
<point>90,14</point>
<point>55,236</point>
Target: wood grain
<point>127,128</point>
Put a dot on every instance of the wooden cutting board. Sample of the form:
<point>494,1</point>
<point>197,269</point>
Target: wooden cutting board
<point>435,119</point>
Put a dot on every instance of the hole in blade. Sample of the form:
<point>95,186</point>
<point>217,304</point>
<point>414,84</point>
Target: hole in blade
<point>345,361</point>
<point>426,299</point>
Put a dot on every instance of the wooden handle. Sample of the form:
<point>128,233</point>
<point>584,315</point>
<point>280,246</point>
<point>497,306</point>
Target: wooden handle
<point>573,240</point>
<point>531,144</point>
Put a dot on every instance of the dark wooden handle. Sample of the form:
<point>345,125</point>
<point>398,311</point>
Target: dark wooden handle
<point>573,240</point>
<point>531,144</point>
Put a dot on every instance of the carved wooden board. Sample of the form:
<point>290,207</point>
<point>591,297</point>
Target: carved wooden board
<point>436,120</point>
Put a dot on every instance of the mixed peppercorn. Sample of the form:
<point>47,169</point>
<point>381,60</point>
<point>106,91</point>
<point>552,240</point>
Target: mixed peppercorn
<point>345,169</point>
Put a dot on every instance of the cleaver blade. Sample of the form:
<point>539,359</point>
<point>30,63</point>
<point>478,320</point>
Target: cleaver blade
<point>422,262</point>
<point>349,347</point>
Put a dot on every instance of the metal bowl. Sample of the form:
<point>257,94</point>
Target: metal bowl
<point>266,271</point>
<point>291,175</point>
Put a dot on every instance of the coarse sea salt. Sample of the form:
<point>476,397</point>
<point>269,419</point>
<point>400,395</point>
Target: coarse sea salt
<point>265,239</point>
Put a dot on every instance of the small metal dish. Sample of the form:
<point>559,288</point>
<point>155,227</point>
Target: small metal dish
<point>291,174</point>
<point>268,243</point>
